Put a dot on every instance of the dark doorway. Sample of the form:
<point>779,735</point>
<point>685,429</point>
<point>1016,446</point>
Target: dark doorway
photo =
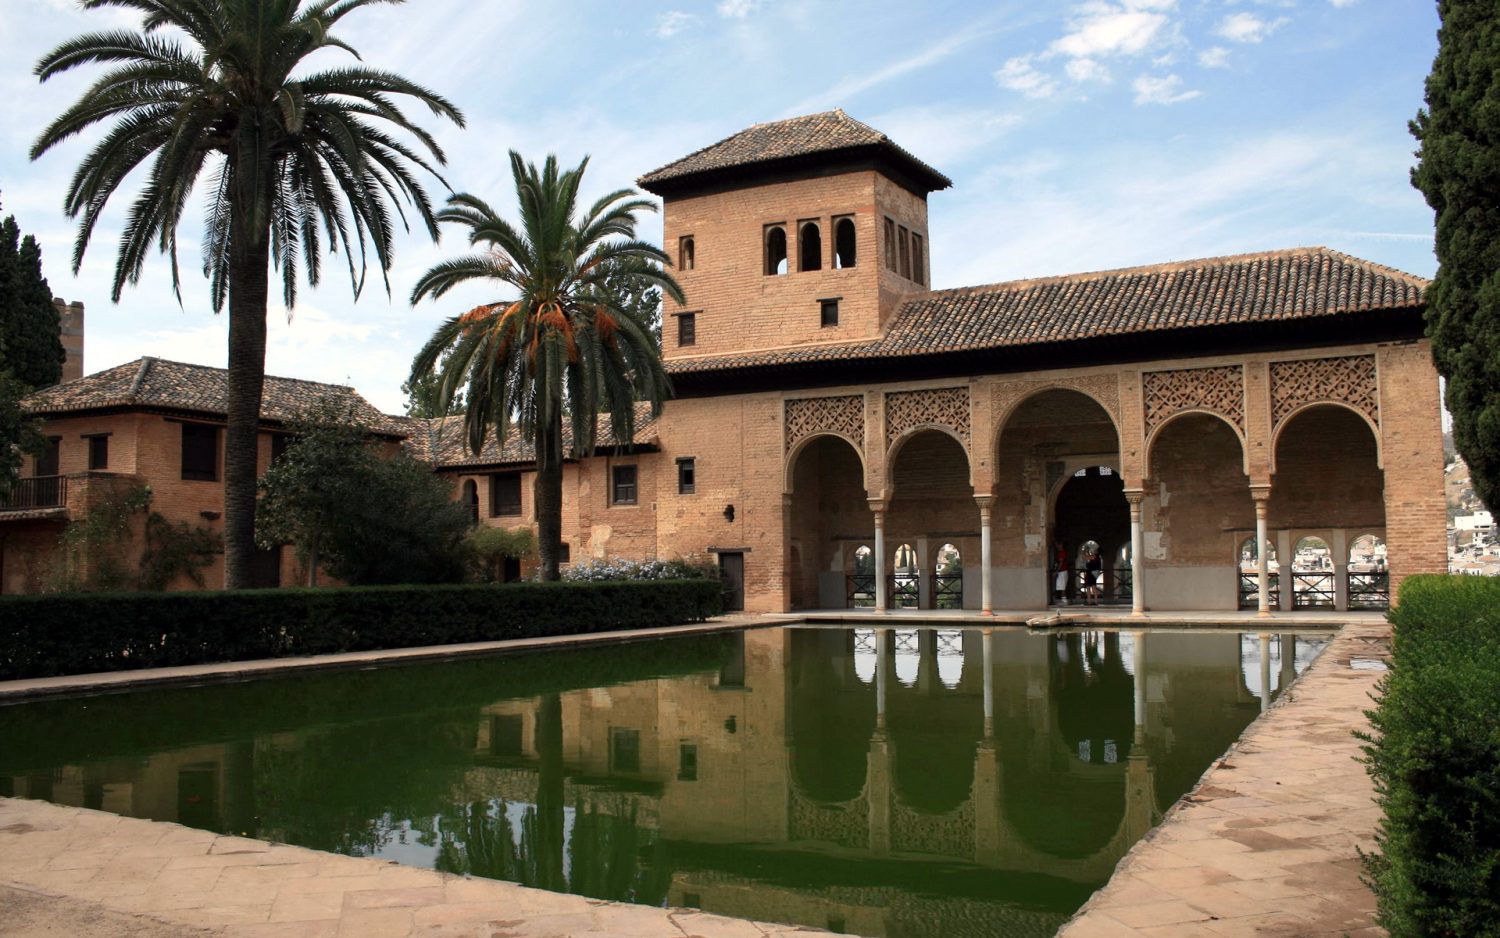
<point>732,571</point>
<point>265,568</point>
<point>510,569</point>
<point>1092,507</point>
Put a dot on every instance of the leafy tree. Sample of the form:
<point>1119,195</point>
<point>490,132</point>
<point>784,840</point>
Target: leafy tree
<point>423,398</point>
<point>1459,173</point>
<point>563,343</point>
<point>214,91</point>
<point>32,351</point>
<point>19,433</point>
<point>364,517</point>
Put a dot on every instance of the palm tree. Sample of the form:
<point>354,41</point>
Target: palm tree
<point>205,90</point>
<point>567,342</point>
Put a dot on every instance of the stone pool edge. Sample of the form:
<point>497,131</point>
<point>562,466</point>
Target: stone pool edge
<point>1268,841</point>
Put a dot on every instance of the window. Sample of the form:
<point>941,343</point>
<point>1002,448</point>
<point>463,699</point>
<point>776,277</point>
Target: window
<point>505,735</point>
<point>903,243</point>
<point>280,443</point>
<point>810,247</point>
<point>624,750</point>
<point>918,267</point>
<point>687,762</point>
<point>200,452</point>
<point>49,463</point>
<point>622,492</point>
<point>685,258</point>
<point>471,500</point>
<point>775,250</point>
<point>829,311</point>
<point>687,329</point>
<point>98,451</point>
<point>564,552</point>
<point>890,245</point>
<point>843,243</point>
<point>505,495</point>
<point>687,474</point>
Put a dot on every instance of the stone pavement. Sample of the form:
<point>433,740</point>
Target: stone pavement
<point>1268,843</point>
<point>87,874</point>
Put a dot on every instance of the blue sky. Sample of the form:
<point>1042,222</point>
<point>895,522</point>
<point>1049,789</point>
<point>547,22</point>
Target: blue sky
<point>1079,135</point>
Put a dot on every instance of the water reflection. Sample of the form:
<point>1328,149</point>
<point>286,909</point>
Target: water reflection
<point>881,782</point>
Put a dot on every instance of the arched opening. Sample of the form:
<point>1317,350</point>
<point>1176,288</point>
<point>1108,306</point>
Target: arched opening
<point>1327,478</point>
<point>810,247</point>
<point>1092,520</point>
<point>1369,576</point>
<point>775,250</point>
<point>471,500</point>
<point>1044,441</point>
<point>931,508</point>
<point>1197,501</point>
<point>843,243</point>
<point>1249,564</point>
<point>948,578</point>
<point>686,258</point>
<point>831,524</point>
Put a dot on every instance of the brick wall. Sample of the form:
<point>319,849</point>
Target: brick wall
<point>1198,498</point>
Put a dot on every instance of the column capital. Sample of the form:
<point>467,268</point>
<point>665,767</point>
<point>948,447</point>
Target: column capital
<point>984,501</point>
<point>1134,497</point>
<point>1260,491</point>
<point>877,505</point>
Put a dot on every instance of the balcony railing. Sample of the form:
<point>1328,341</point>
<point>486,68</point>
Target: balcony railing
<point>1250,590</point>
<point>1370,590</point>
<point>1312,589</point>
<point>36,492</point>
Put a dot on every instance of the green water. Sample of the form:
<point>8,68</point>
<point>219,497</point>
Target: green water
<point>891,783</point>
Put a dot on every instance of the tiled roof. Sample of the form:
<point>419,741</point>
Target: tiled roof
<point>790,139</point>
<point>157,383</point>
<point>442,442</point>
<point>1270,287</point>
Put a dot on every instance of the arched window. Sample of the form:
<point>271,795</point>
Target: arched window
<point>906,581</point>
<point>948,578</point>
<point>471,500</point>
<point>1312,574</point>
<point>864,561</point>
<point>775,250</point>
<point>810,253</point>
<point>1367,553</point>
<point>1250,560</point>
<point>843,243</point>
<point>685,258</point>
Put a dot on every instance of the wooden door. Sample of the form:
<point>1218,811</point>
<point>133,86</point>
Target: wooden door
<point>732,571</point>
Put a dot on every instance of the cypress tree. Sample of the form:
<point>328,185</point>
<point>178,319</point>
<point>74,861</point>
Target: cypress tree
<point>33,352</point>
<point>1459,173</point>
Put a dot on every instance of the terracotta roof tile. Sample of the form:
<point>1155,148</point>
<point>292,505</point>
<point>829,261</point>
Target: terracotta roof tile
<point>158,383</point>
<point>793,138</point>
<point>441,441</point>
<point>1273,286</point>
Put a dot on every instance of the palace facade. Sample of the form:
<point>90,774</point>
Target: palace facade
<point>1256,431</point>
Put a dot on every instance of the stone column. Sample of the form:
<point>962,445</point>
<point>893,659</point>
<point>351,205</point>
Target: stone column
<point>1137,549</point>
<point>1262,496</point>
<point>1338,546</point>
<point>986,571</point>
<point>878,507</point>
<point>989,683</point>
<point>1285,562</point>
<point>882,665</point>
<point>1287,642</point>
<point>1139,666</point>
<point>1265,671</point>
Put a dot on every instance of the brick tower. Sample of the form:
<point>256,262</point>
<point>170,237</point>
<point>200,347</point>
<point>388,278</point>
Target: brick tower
<point>797,232</point>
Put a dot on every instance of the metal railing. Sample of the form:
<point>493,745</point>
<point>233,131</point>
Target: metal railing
<point>1313,589</point>
<point>906,591</point>
<point>1122,588</point>
<point>859,590</point>
<point>1250,590</point>
<point>948,590</point>
<point>37,492</point>
<point>1370,590</point>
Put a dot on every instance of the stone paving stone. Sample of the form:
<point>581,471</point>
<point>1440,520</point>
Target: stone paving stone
<point>1268,843</point>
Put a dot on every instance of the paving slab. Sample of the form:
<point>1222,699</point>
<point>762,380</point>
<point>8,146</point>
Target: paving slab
<point>1268,842</point>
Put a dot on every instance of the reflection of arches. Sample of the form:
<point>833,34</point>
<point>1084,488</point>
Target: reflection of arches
<point>1199,416</point>
<point>829,720</point>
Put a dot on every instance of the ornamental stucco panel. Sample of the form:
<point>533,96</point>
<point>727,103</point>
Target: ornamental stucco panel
<point>844,415</point>
<point>1220,390</point>
<point>1350,380</point>
<point>943,407</point>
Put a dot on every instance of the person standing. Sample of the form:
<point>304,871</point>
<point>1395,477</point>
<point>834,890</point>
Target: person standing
<point>1093,571</point>
<point>1060,566</point>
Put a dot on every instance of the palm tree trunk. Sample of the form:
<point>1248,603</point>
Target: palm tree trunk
<point>249,272</point>
<point>547,493</point>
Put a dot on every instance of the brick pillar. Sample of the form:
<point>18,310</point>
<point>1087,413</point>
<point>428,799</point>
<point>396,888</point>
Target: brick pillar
<point>1411,438</point>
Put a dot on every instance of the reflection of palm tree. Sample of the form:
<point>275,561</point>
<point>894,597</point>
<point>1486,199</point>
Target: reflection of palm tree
<point>543,849</point>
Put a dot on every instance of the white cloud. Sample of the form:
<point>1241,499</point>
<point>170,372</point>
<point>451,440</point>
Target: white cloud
<point>1154,89</point>
<point>1214,57</point>
<point>1343,3</point>
<point>1082,70</point>
<point>1019,74</point>
<point>1113,29</point>
<point>1247,27</point>
<point>737,9</point>
<point>673,22</point>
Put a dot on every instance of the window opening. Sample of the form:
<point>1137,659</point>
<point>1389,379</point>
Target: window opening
<point>687,476</point>
<point>471,500</point>
<point>829,312</point>
<point>775,250</point>
<point>890,245</point>
<point>843,243</point>
<point>918,267</point>
<point>687,762</point>
<point>624,485</point>
<point>903,242</point>
<point>99,452</point>
<point>685,251</point>
<point>505,495</point>
<point>687,329</point>
<point>625,750</point>
<point>200,452</point>
<point>810,256</point>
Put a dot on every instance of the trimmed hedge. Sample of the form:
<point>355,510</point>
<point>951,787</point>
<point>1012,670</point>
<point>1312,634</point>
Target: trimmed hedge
<point>1435,759</point>
<point>42,636</point>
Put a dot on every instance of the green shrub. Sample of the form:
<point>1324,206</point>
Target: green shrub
<point>42,636</point>
<point>1435,759</point>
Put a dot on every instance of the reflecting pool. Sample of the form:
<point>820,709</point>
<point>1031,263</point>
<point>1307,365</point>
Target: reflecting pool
<point>890,782</point>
